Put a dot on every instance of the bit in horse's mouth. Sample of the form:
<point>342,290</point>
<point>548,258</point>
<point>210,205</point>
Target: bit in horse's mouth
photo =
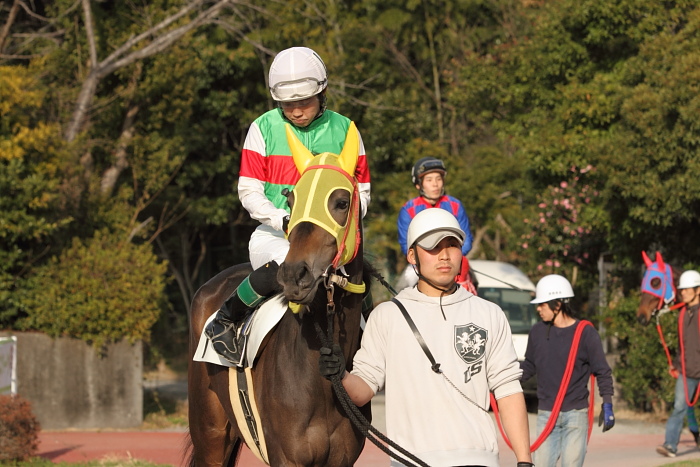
<point>303,296</point>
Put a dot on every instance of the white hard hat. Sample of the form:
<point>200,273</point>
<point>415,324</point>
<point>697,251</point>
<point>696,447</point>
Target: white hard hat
<point>552,287</point>
<point>689,280</point>
<point>296,74</point>
<point>431,225</point>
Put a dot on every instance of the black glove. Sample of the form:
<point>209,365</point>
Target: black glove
<point>331,363</point>
<point>606,418</point>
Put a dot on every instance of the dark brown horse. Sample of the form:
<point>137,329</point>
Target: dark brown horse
<point>658,288</point>
<point>302,421</point>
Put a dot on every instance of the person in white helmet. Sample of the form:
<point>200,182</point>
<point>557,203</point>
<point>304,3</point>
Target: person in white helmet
<point>686,366</point>
<point>298,82</point>
<point>437,406</point>
<point>548,348</point>
<point>428,176</point>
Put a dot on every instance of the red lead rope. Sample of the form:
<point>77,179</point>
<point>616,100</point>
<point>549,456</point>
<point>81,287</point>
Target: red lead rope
<point>681,315</point>
<point>573,351</point>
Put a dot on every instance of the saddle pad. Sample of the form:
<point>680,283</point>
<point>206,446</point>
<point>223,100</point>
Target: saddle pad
<point>264,319</point>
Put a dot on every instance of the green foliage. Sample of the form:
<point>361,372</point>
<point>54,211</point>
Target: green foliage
<point>642,369</point>
<point>510,94</point>
<point>34,202</point>
<point>100,290</point>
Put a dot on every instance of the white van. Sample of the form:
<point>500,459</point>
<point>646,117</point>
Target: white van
<point>509,288</point>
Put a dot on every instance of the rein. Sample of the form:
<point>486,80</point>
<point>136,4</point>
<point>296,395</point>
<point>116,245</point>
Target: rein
<point>666,294</point>
<point>353,412</point>
<point>661,311</point>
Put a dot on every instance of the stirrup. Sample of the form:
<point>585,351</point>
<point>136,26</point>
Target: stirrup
<point>229,341</point>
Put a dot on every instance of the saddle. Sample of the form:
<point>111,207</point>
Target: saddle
<point>254,329</point>
<point>241,391</point>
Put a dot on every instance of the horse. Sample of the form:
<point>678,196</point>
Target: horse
<point>658,288</point>
<point>303,424</point>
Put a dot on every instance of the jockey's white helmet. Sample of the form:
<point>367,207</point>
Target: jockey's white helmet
<point>689,280</point>
<point>552,287</point>
<point>430,226</point>
<point>296,74</point>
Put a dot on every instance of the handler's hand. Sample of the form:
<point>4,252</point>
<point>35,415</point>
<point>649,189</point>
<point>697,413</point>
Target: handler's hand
<point>331,363</point>
<point>673,372</point>
<point>607,417</point>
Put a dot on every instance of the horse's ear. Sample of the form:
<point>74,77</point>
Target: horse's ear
<point>659,259</point>
<point>646,259</point>
<point>301,155</point>
<point>351,150</point>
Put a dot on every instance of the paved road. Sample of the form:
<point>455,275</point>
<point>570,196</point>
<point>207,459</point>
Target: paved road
<point>629,443</point>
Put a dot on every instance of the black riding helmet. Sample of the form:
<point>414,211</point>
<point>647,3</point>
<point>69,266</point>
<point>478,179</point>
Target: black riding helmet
<point>426,165</point>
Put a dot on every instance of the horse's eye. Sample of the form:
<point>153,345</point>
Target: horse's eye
<point>655,283</point>
<point>342,204</point>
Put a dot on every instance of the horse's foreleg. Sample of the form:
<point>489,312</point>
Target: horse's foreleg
<point>209,427</point>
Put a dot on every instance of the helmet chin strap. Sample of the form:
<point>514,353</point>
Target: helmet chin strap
<point>432,200</point>
<point>453,287</point>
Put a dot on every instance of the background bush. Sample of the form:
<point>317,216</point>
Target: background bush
<point>102,289</point>
<point>642,370</point>
<point>19,429</point>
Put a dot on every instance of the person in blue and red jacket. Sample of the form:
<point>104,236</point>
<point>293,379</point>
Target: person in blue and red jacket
<point>298,82</point>
<point>428,176</point>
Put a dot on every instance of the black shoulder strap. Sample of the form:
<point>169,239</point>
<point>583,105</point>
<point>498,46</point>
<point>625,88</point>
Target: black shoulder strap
<point>434,365</point>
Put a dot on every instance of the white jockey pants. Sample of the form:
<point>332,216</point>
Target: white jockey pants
<point>267,244</point>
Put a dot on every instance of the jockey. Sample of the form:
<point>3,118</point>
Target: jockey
<point>298,81</point>
<point>428,176</point>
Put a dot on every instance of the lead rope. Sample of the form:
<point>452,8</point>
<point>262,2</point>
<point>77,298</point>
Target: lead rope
<point>568,371</point>
<point>353,412</point>
<point>680,339</point>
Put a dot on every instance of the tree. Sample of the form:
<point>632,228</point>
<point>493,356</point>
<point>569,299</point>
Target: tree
<point>35,204</point>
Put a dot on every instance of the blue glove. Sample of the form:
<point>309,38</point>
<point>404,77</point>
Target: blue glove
<point>607,417</point>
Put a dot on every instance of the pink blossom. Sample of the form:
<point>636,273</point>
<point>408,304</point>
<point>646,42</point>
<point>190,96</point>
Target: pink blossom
<point>548,262</point>
<point>525,246</point>
<point>563,184</point>
<point>557,264</point>
<point>542,205</point>
<point>539,267</point>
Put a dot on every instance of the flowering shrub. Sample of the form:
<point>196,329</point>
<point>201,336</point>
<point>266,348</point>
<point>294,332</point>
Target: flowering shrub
<point>562,228</point>
<point>19,429</point>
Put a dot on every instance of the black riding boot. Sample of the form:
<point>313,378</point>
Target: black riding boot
<point>224,330</point>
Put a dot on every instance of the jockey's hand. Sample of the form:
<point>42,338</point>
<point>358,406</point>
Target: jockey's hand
<point>331,363</point>
<point>673,372</point>
<point>607,417</point>
<point>285,224</point>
